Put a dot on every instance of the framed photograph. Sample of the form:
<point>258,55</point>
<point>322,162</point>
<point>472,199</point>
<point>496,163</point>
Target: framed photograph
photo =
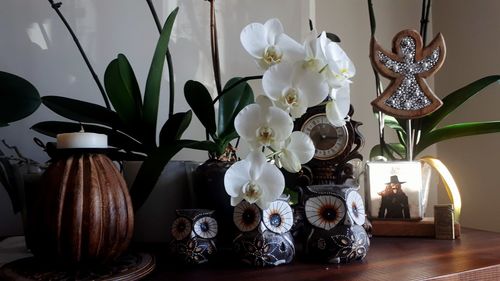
<point>394,190</point>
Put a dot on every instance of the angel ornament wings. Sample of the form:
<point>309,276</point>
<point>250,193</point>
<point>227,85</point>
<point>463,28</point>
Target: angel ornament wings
<point>408,95</point>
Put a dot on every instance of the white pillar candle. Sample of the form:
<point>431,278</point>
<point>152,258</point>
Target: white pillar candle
<point>82,140</point>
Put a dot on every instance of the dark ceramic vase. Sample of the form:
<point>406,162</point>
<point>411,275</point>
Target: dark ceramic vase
<point>211,194</point>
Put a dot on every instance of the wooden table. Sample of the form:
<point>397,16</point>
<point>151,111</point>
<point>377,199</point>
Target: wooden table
<point>476,256</point>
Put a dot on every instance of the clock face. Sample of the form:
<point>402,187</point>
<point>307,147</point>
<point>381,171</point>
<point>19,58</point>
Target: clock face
<point>328,140</point>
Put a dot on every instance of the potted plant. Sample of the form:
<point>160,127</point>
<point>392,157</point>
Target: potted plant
<point>296,76</point>
<point>131,125</point>
<point>428,130</point>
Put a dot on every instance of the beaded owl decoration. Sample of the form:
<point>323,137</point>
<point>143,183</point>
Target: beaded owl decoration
<point>264,237</point>
<point>333,224</point>
<point>194,232</point>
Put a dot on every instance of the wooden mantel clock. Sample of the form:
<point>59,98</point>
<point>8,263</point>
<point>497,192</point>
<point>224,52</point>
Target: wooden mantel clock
<point>335,147</point>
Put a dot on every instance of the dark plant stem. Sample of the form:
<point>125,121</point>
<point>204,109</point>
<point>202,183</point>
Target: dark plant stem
<point>225,91</point>
<point>424,21</point>
<point>18,153</point>
<point>215,48</point>
<point>373,23</point>
<point>169,62</point>
<point>56,7</point>
<point>378,83</point>
<point>424,36</point>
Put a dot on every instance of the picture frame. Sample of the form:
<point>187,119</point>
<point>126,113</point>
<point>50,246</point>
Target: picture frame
<point>393,190</point>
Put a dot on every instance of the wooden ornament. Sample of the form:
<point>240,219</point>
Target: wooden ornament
<point>83,213</point>
<point>408,95</point>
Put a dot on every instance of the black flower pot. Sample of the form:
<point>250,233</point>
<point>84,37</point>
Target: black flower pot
<point>211,194</point>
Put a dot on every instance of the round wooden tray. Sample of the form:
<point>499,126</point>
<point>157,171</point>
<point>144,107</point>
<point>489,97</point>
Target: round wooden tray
<point>130,266</point>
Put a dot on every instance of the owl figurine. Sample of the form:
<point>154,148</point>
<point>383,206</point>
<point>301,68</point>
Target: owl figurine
<point>333,223</point>
<point>264,237</point>
<point>194,232</point>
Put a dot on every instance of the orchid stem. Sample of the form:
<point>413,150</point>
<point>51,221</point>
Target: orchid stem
<point>424,20</point>
<point>215,48</point>
<point>378,83</point>
<point>56,7</point>
<point>409,140</point>
<point>226,90</point>
<point>169,62</point>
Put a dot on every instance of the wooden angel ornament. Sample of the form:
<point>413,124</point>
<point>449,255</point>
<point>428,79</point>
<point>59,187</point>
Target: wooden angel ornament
<point>408,95</point>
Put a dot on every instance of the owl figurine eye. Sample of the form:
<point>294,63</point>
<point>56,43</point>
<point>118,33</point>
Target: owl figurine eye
<point>194,233</point>
<point>356,208</point>
<point>181,228</point>
<point>246,216</point>
<point>324,211</point>
<point>278,217</point>
<point>206,227</point>
<point>264,238</point>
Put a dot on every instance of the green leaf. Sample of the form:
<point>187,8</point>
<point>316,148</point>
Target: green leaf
<point>454,100</point>
<point>123,91</point>
<point>200,101</point>
<point>115,138</point>
<point>393,123</point>
<point>456,131</point>
<point>151,169</point>
<point>226,138</point>
<point>392,151</point>
<point>175,126</point>
<point>153,83</point>
<point>18,98</point>
<point>231,103</point>
<point>82,111</point>
<point>201,145</point>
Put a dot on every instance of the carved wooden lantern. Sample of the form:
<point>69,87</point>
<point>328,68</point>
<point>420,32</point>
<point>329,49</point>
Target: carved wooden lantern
<point>84,212</point>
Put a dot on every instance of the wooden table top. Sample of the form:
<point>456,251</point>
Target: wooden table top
<point>476,256</point>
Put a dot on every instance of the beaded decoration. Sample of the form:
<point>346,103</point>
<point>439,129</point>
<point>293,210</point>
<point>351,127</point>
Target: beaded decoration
<point>408,95</point>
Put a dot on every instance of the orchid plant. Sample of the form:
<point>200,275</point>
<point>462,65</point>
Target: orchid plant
<point>296,77</point>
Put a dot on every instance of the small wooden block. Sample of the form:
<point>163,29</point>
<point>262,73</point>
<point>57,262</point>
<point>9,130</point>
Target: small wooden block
<point>444,222</point>
<point>423,228</point>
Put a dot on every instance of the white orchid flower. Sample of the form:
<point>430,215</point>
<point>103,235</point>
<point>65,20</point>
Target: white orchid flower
<point>315,51</point>
<point>293,88</point>
<point>268,44</point>
<point>254,180</point>
<point>263,125</point>
<point>340,67</point>
<point>338,107</point>
<point>298,149</point>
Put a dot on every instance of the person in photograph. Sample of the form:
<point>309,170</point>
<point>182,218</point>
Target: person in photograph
<point>394,203</point>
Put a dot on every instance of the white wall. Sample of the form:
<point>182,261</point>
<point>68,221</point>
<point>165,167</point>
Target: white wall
<point>471,30</point>
<point>36,46</point>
